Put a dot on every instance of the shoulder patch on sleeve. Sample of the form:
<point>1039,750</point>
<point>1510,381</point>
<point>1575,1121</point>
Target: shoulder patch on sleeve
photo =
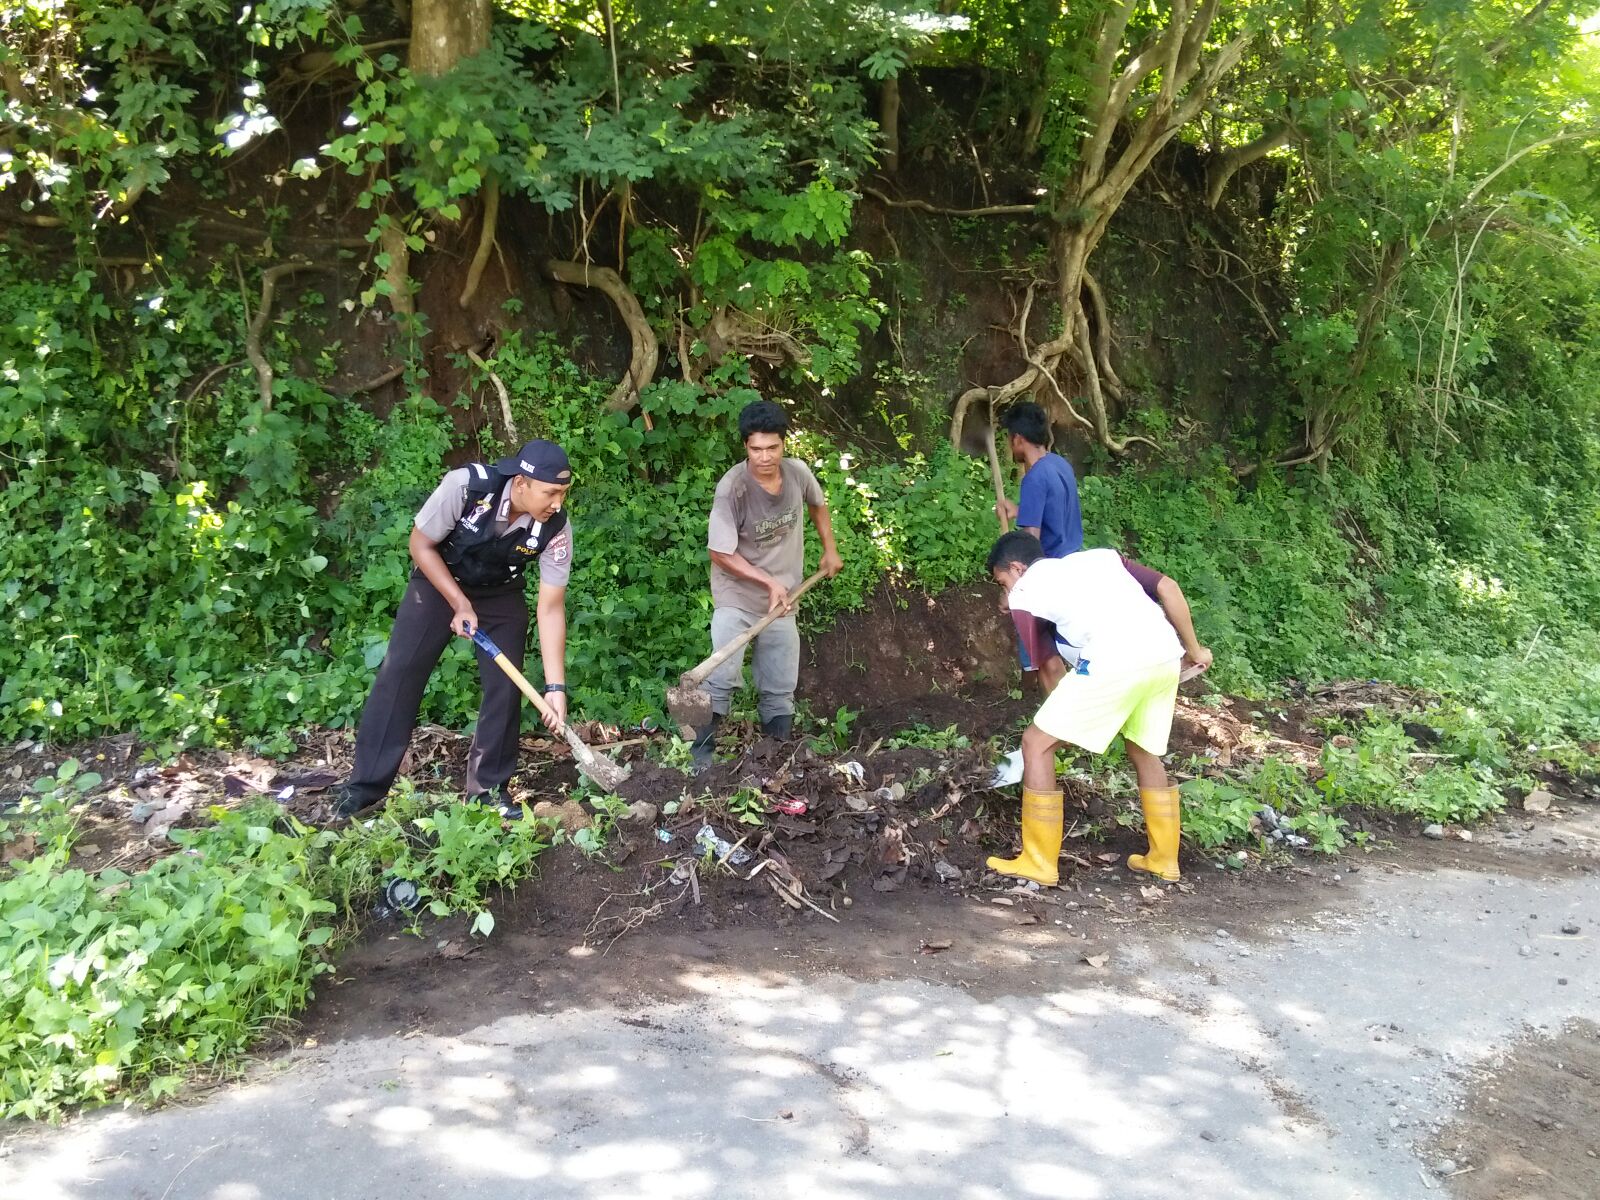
<point>560,547</point>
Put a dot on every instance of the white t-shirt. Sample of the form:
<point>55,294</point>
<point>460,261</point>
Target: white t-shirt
<point>1104,621</point>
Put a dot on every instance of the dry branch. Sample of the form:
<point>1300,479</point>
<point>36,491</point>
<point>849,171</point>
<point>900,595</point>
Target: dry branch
<point>991,210</point>
<point>209,376</point>
<point>377,381</point>
<point>505,397</point>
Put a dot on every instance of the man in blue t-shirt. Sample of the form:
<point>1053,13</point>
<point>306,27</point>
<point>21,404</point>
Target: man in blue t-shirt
<point>1048,506</point>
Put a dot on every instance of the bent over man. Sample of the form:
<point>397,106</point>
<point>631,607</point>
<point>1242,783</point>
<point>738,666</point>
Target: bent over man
<point>757,547</point>
<point>1110,636</point>
<point>477,540</point>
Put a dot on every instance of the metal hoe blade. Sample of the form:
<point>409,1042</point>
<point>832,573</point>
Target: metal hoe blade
<point>690,706</point>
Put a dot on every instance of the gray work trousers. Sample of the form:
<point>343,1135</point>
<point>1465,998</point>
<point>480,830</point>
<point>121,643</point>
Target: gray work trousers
<point>775,662</point>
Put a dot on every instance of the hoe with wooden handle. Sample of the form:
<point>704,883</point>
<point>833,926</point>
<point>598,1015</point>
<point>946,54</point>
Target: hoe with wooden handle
<point>609,775</point>
<point>689,702</point>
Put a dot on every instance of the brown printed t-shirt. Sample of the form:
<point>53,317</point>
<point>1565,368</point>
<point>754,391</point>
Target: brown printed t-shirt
<point>766,531</point>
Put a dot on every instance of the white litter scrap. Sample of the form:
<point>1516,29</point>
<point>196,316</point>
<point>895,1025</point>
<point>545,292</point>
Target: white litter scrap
<point>854,771</point>
<point>1008,770</point>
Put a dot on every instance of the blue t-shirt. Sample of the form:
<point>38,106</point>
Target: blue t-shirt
<point>1049,503</point>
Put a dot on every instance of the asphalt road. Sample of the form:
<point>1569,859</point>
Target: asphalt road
<point>1314,1058</point>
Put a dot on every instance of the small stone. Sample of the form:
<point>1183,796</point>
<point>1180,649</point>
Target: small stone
<point>947,872</point>
<point>1207,1136</point>
<point>570,814</point>
<point>641,812</point>
<point>847,901</point>
<point>1563,982</point>
<point>1526,952</point>
<point>1465,835</point>
<point>1434,832</point>
<point>1447,1166</point>
<point>1571,927</point>
<point>143,811</point>
<point>1538,801</point>
<point>1395,1122</point>
<point>1244,952</point>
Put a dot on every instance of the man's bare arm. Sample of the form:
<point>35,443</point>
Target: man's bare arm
<point>1172,601</point>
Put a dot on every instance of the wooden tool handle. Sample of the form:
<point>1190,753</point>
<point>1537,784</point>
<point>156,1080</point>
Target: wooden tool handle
<point>698,676</point>
<point>995,474</point>
<point>531,692</point>
<point>483,642</point>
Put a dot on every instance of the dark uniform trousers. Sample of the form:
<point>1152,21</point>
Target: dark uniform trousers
<point>421,632</point>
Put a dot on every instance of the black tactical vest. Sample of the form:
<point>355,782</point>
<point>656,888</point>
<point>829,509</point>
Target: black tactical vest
<point>475,556</point>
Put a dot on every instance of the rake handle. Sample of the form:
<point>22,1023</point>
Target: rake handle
<point>696,677</point>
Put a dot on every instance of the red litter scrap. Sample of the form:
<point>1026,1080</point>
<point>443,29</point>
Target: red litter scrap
<point>789,806</point>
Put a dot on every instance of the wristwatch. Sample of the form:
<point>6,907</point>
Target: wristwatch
<point>556,687</point>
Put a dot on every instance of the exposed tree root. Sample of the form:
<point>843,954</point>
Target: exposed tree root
<point>480,258</point>
<point>258,324</point>
<point>646,350</point>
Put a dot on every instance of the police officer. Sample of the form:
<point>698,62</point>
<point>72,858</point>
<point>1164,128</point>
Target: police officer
<point>476,540</point>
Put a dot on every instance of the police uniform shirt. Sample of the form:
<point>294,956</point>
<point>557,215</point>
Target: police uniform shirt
<point>440,512</point>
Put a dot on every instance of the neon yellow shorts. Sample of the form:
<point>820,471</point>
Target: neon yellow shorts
<point>1090,710</point>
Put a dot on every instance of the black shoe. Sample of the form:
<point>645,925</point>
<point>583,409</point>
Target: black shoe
<point>501,801</point>
<point>779,727</point>
<point>703,750</point>
<point>347,802</point>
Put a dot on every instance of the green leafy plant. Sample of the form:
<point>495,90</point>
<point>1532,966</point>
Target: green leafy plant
<point>747,806</point>
<point>832,734</point>
<point>112,983</point>
<point>922,737</point>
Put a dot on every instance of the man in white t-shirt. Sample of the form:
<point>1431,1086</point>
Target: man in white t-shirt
<point>1110,636</point>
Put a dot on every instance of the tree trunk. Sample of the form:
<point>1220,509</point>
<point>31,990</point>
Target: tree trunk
<point>443,32</point>
<point>889,123</point>
<point>1137,99</point>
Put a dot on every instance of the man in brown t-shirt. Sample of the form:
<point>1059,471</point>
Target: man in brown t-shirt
<point>757,545</point>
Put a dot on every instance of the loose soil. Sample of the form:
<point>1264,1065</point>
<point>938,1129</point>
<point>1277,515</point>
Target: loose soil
<point>1527,1129</point>
<point>891,843</point>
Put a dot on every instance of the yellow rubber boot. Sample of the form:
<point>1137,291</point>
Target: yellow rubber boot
<point>1162,825</point>
<point>1041,840</point>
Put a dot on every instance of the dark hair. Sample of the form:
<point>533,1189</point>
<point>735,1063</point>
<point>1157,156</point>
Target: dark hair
<point>1015,547</point>
<point>1027,421</point>
<point>762,416</point>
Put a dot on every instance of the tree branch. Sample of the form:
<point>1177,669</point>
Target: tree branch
<point>992,210</point>
<point>1224,166</point>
